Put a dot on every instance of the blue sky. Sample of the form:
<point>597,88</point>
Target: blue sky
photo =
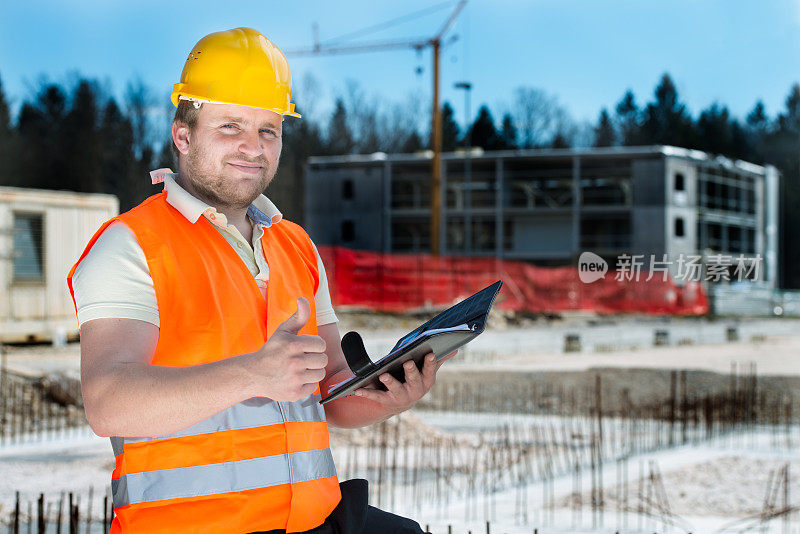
<point>584,52</point>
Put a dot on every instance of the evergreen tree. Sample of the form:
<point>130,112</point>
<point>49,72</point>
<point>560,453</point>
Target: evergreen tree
<point>781,149</point>
<point>741,147</point>
<point>666,121</point>
<point>123,173</point>
<point>604,134</point>
<point>565,129</point>
<point>789,121</point>
<point>137,101</point>
<point>450,129</point>
<point>560,140</point>
<point>301,139</point>
<point>508,132</point>
<point>42,146</point>
<point>628,118</point>
<point>714,131</point>
<point>756,130</point>
<point>483,132</point>
<point>82,169</point>
<point>413,143</point>
<point>116,154</point>
<point>166,159</point>
<point>52,101</point>
<point>757,118</point>
<point>370,139</point>
<point>339,136</point>
<point>8,152</point>
<point>139,186</point>
<point>5,117</point>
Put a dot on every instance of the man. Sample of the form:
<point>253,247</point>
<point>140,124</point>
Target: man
<point>207,331</point>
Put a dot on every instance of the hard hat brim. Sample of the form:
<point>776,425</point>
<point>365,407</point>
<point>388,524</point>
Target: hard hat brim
<point>178,95</point>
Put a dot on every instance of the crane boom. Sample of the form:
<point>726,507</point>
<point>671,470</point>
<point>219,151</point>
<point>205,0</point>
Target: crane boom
<point>362,47</point>
<point>436,120</point>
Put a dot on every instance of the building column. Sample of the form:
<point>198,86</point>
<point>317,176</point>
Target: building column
<point>771,190</point>
<point>387,207</point>
<point>498,208</point>
<point>576,206</point>
<point>443,214</point>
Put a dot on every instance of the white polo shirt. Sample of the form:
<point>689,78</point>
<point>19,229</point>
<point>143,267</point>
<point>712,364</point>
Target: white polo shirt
<point>113,280</point>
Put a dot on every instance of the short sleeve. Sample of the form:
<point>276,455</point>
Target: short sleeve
<point>113,280</point>
<point>322,299</point>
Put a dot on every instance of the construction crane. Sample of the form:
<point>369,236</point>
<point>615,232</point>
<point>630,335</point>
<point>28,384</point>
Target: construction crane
<point>435,43</point>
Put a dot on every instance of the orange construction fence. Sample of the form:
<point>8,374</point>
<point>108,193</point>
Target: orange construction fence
<point>408,282</point>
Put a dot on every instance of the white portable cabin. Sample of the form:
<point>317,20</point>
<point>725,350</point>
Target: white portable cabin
<point>42,234</point>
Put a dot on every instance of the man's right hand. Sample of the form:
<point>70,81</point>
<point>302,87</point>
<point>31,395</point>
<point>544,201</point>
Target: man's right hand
<point>289,366</point>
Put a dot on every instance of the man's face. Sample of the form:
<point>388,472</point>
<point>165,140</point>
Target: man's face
<point>231,155</point>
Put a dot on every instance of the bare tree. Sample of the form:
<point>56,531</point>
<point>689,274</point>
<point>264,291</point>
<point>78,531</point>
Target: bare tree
<point>401,121</point>
<point>377,124</point>
<point>565,129</point>
<point>362,113</point>
<point>535,113</point>
<point>138,103</point>
<point>583,134</point>
<point>307,96</point>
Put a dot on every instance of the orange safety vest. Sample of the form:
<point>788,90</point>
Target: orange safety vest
<point>257,465</point>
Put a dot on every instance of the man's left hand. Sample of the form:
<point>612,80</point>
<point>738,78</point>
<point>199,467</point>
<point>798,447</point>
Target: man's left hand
<point>400,396</point>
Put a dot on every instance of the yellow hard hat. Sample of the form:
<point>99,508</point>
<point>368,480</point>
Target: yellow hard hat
<point>238,66</point>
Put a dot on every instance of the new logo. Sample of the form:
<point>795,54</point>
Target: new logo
<point>591,267</point>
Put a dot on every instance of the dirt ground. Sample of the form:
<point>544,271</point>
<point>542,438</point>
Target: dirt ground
<point>643,372</point>
<point>773,355</point>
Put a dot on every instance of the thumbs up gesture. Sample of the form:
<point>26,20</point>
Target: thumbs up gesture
<point>289,366</point>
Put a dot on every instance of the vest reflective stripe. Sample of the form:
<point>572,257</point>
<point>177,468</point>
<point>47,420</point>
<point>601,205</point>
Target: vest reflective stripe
<point>211,479</point>
<point>304,410</point>
<point>202,449</point>
<point>211,308</point>
<point>258,411</point>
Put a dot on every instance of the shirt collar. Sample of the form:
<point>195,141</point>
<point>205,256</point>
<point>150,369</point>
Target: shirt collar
<point>262,210</point>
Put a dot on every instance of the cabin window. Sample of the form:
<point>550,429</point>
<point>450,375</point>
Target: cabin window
<point>28,247</point>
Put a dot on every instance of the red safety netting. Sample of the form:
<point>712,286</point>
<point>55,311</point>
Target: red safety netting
<point>410,282</point>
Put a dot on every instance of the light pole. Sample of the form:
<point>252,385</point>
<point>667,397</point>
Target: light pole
<point>467,87</point>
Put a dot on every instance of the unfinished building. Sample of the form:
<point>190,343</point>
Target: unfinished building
<point>548,206</point>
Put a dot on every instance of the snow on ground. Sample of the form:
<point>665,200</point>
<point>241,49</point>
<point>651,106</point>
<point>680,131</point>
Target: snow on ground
<point>707,485</point>
<point>727,486</point>
<point>70,464</point>
<point>728,483</point>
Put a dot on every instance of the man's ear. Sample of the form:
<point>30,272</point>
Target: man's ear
<point>180,136</point>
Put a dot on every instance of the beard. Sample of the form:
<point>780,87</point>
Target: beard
<point>210,184</point>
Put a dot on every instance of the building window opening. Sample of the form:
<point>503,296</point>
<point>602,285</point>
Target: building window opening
<point>348,190</point>
<point>348,231</point>
<point>680,182</point>
<point>679,229</point>
<point>735,239</point>
<point>28,247</point>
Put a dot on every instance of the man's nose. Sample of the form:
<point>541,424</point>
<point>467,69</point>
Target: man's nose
<point>251,144</point>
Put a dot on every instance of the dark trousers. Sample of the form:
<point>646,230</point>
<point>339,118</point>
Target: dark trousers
<point>354,516</point>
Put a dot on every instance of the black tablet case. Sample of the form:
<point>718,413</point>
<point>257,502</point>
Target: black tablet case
<point>415,345</point>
